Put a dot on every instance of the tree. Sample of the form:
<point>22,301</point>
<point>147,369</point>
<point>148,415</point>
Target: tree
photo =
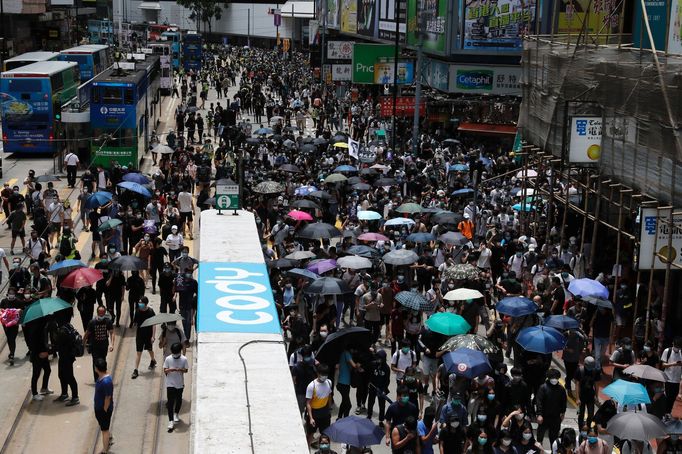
<point>203,11</point>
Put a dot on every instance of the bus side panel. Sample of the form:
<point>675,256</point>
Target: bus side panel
<point>119,121</point>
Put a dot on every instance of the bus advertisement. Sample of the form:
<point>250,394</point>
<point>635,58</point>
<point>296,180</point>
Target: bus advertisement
<point>163,50</point>
<point>113,119</point>
<point>191,51</point>
<point>173,37</point>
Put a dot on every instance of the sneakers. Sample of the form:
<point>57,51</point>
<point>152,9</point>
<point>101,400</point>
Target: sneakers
<point>62,398</point>
<point>171,425</point>
<point>72,402</point>
<point>135,374</point>
<point>152,364</point>
<point>46,391</point>
<point>176,418</point>
<point>361,409</point>
<point>38,397</point>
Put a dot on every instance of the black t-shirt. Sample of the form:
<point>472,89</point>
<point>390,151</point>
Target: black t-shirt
<point>117,281</point>
<point>141,316</point>
<point>98,332</point>
<point>397,413</point>
<point>158,255</point>
<point>453,439</point>
<point>135,286</point>
<point>88,181</point>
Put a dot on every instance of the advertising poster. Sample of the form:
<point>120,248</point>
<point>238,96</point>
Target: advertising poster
<point>332,13</point>
<point>497,25</point>
<point>314,32</point>
<point>367,16</point>
<point>438,75</point>
<point>339,50</point>
<point>675,32</point>
<point>342,73</point>
<point>349,16</point>
<point>387,19</point>
<point>654,236</point>
<point>383,72</point>
<point>365,56</point>
<point>585,146</point>
<point>657,12</point>
<point>497,80</point>
<point>428,17</point>
<point>599,20</point>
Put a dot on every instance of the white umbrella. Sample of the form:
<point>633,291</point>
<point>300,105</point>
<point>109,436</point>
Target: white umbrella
<point>530,173</point>
<point>300,255</point>
<point>462,294</point>
<point>163,149</point>
<point>354,262</point>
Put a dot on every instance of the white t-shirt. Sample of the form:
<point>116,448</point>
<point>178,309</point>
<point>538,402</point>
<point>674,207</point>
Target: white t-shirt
<point>55,210</point>
<point>175,379</point>
<point>672,374</point>
<point>484,258</point>
<point>184,202</point>
<point>71,159</point>
<point>322,392</point>
<point>174,242</point>
<point>402,361</point>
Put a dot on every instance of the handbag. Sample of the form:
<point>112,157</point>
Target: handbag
<point>10,317</point>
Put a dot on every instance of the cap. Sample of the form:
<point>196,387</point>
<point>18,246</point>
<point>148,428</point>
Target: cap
<point>175,227</point>
<point>532,247</point>
<point>440,193</point>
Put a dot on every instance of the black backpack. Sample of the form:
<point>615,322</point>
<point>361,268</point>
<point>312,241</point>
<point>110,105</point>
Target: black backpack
<point>73,340</point>
<point>65,246</point>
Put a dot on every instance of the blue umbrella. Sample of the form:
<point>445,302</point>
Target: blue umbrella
<point>467,362</point>
<point>627,392</point>
<point>136,177</point>
<point>135,187</point>
<point>346,168</point>
<point>399,221</point>
<point>588,287</point>
<point>98,199</point>
<point>421,237</point>
<point>541,339</point>
<point>465,191</point>
<point>459,167</point>
<point>65,267</point>
<point>263,131</point>
<point>304,190</point>
<point>561,322</point>
<point>368,215</point>
<point>516,306</point>
<point>355,431</point>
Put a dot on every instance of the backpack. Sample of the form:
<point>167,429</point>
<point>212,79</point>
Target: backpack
<point>74,340</point>
<point>65,246</point>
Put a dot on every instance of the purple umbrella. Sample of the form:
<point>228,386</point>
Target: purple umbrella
<point>322,266</point>
<point>149,227</point>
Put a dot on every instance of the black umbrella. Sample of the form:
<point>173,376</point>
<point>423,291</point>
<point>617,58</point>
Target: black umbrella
<point>128,263</point>
<point>320,141</point>
<point>322,195</point>
<point>385,182</point>
<point>354,180</point>
<point>308,139</point>
<point>353,337</point>
<point>44,178</point>
<point>304,203</point>
<point>451,141</point>
<point>364,251</point>
<point>362,187</point>
<point>318,231</point>
<point>308,147</point>
<point>447,217</point>
<point>289,168</point>
<point>253,141</point>
<point>328,286</point>
<point>368,171</point>
<point>282,263</point>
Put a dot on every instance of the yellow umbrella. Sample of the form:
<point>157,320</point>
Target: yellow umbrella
<point>341,144</point>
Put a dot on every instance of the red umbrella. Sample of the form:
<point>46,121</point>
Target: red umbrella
<point>371,236</point>
<point>82,277</point>
<point>300,215</point>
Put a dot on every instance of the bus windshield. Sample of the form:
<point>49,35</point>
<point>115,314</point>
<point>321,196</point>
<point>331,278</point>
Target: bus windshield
<point>10,65</point>
<point>25,102</point>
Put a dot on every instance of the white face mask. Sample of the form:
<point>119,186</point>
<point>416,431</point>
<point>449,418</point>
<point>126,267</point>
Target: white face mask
<point>553,381</point>
<point>506,441</point>
<point>527,436</point>
<point>176,355</point>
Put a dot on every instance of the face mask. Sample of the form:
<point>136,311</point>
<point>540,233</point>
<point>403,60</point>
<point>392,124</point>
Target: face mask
<point>405,399</point>
<point>519,416</point>
<point>176,355</point>
<point>451,286</point>
<point>482,418</point>
<point>527,436</point>
<point>111,251</point>
<point>324,446</point>
<point>405,350</point>
<point>141,305</point>
<point>455,402</point>
<point>454,424</point>
<point>308,359</point>
<point>323,334</point>
<point>100,318</point>
<point>184,254</point>
<point>146,238</point>
<point>518,254</point>
<point>322,378</point>
<point>583,434</point>
<point>553,381</point>
<point>676,349</point>
<point>647,349</point>
<point>482,441</point>
<point>491,396</point>
<point>592,440</point>
<point>11,296</point>
<point>627,347</point>
<point>506,441</point>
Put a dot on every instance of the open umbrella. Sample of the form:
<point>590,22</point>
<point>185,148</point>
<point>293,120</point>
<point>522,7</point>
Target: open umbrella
<point>516,306</point>
<point>263,131</point>
<point>362,187</point>
<point>421,237</point>
<point>448,324</point>
<point>98,199</point>
<point>627,393</point>
<point>459,168</point>
<point>364,251</point>
<point>341,145</point>
<point>588,287</point>
<point>466,362</point>
<point>368,171</point>
<point>320,141</point>
<point>109,224</point>
<point>253,141</point>
<point>268,187</point>
<point>372,236</point>
<point>136,177</point>
<point>461,271</point>
<point>455,238</point>
<point>42,308</point>
<point>645,372</point>
<point>304,203</point>
<point>328,286</point>
<point>523,207</point>
<point>322,266</point>
<point>304,190</point>
<point>300,255</point>
<point>674,427</point>
<point>346,168</point>
<point>289,168</point>
<point>355,431</point>
<point>354,262</point>
<point>399,222</point>
<point>561,322</point>
<point>330,351</point>
<point>368,215</point>
<point>318,230</point>
<point>380,167</point>
<point>46,178</point>
<point>281,263</point>
<point>400,257</point>
<point>446,217</point>
<point>631,425</point>
<point>541,339</point>
<point>451,142</point>
<point>163,149</point>
<point>322,195</point>
<point>335,178</point>
<point>409,208</point>
<point>385,182</point>
<point>471,341</point>
<point>599,302</point>
<point>128,263</point>
<point>163,317</point>
<point>463,192</point>
<point>462,294</point>
<point>135,187</point>
<point>300,272</point>
<point>288,144</point>
<point>299,215</point>
<point>65,267</point>
<point>415,301</point>
<point>530,173</point>
<point>82,277</point>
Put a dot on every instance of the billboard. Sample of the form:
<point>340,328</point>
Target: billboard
<point>314,32</point>
<point>332,12</point>
<point>497,25</point>
<point>367,17</point>
<point>342,73</point>
<point>675,32</point>
<point>365,56</point>
<point>430,18</point>
<point>438,75</point>
<point>383,72</point>
<point>339,50</point>
<point>387,19</point>
<point>585,145</point>
<point>496,80</point>
<point>599,20</point>
<point>657,12</point>
<point>654,236</point>
<point>404,106</point>
<point>349,16</point>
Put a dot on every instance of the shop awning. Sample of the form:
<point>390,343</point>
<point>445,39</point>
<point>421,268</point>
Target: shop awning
<point>150,5</point>
<point>298,10</point>
<point>487,128</point>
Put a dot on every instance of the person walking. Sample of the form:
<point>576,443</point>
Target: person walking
<point>36,339</point>
<point>175,366</point>
<point>67,338</point>
<point>587,377</point>
<point>10,312</point>
<point>671,360</point>
<point>144,337</point>
<point>551,406</point>
<point>71,162</point>
<point>99,336</point>
<point>174,242</point>
<point>104,402</point>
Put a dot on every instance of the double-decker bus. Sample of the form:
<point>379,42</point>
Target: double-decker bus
<point>124,108</point>
<point>174,38</point>
<point>28,58</point>
<point>163,50</point>
<point>31,100</point>
<point>92,59</point>
<point>191,51</point>
<point>154,31</point>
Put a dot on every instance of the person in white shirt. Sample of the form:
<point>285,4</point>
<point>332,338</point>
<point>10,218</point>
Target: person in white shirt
<point>402,359</point>
<point>186,208</point>
<point>671,360</point>
<point>71,162</point>
<point>174,243</point>
<point>55,213</point>
<point>175,366</point>
<point>484,257</point>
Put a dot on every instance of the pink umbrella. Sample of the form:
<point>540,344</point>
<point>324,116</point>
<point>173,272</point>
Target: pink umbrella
<point>300,215</point>
<point>372,236</point>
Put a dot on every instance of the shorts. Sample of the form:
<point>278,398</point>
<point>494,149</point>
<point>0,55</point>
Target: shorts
<point>323,419</point>
<point>143,343</point>
<point>186,216</point>
<point>18,233</point>
<point>55,227</point>
<point>104,418</point>
<point>429,366</point>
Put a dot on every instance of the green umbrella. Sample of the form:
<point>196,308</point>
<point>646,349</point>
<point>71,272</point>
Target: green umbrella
<point>110,224</point>
<point>335,178</point>
<point>409,208</point>
<point>41,308</point>
<point>448,324</point>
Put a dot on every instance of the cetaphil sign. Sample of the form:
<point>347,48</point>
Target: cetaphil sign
<point>654,252</point>
<point>485,79</point>
<point>235,298</point>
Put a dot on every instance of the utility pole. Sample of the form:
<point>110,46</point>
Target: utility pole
<point>395,75</point>
<point>418,78</point>
<point>323,49</point>
<point>3,50</point>
<point>248,28</point>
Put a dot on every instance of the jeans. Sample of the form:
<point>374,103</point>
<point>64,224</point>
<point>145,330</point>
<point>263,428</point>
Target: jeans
<point>71,175</point>
<point>173,401</point>
<point>599,346</point>
<point>66,377</point>
<point>344,408</point>
<point>39,364</point>
<point>11,334</point>
<point>570,367</point>
<point>671,390</point>
<point>380,396</point>
<point>586,403</point>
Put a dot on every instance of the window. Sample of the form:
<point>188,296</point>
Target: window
<point>129,96</point>
<point>57,82</point>
<point>96,95</point>
<point>111,95</point>
<point>165,73</point>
